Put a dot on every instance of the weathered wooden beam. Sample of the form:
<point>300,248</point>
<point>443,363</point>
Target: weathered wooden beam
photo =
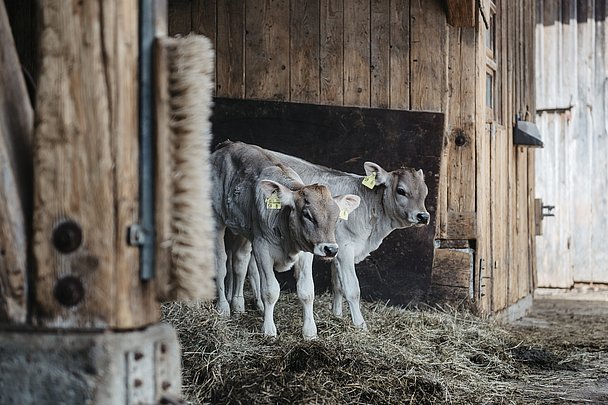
<point>16,125</point>
<point>461,13</point>
<point>86,165</point>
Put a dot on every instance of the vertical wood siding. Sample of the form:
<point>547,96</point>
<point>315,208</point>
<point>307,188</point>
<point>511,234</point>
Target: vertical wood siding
<point>572,98</point>
<point>363,53</point>
<point>401,54</point>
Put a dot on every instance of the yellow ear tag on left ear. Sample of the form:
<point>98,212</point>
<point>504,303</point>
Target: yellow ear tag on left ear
<point>344,214</point>
<point>370,181</point>
<point>273,202</point>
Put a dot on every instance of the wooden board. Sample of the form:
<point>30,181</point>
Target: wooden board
<point>230,49</point>
<point>304,52</point>
<point>572,116</point>
<point>400,54</point>
<point>357,56</point>
<point>267,49</point>
<point>86,163</point>
<point>428,56</point>
<point>331,58</point>
<point>400,270</point>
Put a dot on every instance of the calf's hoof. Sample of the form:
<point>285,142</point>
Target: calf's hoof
<point>223,308</point>
<point>238,305</point>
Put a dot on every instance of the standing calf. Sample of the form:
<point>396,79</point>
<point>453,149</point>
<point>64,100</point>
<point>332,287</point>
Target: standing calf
<point>391,200</point>
<point>263,201</point>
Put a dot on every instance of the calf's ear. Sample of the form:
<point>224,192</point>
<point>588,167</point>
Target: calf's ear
<point>270,187</point>
<point>347,202</point>
<point>420,173</point>
<point>373,168</point>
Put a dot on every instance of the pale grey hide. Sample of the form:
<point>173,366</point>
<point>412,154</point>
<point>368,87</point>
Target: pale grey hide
<point>396,201</point>
<point>244,176</point>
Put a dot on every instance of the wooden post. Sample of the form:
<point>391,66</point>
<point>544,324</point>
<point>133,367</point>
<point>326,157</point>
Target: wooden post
<point>95,332</point>
<point>86,164</point>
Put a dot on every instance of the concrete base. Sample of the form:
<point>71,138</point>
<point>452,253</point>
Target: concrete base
<point>68,367</point>
<point>515,311</point>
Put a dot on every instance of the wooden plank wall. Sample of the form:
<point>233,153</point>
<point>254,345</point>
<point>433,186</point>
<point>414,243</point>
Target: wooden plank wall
<point>572,111</point>
<point>505,192</point>
<point>401,54</point>
<point>362,53</point>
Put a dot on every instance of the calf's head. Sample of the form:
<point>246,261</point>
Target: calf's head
<point>404,195</point>
<point>313,214</point>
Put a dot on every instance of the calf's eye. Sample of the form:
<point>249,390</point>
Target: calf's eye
<point>307,215</point>
<point>401,191</point>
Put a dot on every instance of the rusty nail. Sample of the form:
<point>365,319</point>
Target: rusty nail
<point>67,236</point>
<point>138,355</point>
<point>69,291</point>
<point>163,348</point>
<point>138,382</point>
<point>166,385</point>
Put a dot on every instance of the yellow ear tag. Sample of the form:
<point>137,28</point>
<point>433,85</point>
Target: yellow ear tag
<point>370,181</point>
<point>344,214</point>
<point>273,202</point>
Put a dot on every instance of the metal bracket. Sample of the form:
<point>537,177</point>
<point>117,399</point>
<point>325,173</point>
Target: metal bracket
<point>547,211</point>
<point>136,236</point>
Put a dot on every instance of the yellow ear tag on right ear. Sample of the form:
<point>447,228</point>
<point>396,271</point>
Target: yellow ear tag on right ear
<point>344,214</point>
<point>273,202</point>
<point>370,181</point>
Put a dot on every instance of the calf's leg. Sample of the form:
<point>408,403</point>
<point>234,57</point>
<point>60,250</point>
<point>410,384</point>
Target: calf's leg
<point>345,270</point>
<point>306,292</point>
<point>222,305</point>
<point>241,253</point>
<point>253,274</point>
<point>269,286</point>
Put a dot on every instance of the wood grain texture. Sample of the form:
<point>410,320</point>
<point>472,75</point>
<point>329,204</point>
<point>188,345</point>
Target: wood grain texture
<point>461,123</point>
<point>180,17</point>
<point>380,54</point>
<point>204,22</point>
<point>453,267</point>
<point>461,13</point>
<point>267,49</point>
<point>230,49</point>
<point>399,68</point>
<point>86,161</point>
<point>428,56</point>
<point>16,128</point>
<point>357,56</point>
<point>204,18</point>
<point>304,51</point>
<point>331,59</point>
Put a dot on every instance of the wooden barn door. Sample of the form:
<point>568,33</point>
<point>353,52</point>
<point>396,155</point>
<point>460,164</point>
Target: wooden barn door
<point>572,115</point>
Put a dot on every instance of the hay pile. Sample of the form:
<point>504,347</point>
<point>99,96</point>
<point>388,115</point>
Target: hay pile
<point>420,357</point>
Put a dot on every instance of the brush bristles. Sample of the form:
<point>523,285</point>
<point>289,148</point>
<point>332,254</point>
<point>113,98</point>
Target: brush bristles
<point>191,62</point>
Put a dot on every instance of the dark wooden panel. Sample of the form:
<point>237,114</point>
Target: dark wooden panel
<point>180,17</point>
<point>204,17</point>
<point>344,138</point>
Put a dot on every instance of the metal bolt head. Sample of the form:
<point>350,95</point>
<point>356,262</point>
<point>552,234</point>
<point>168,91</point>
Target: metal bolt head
<point>67,236</point>
<point>461,139</point>
<point>69,291</point>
